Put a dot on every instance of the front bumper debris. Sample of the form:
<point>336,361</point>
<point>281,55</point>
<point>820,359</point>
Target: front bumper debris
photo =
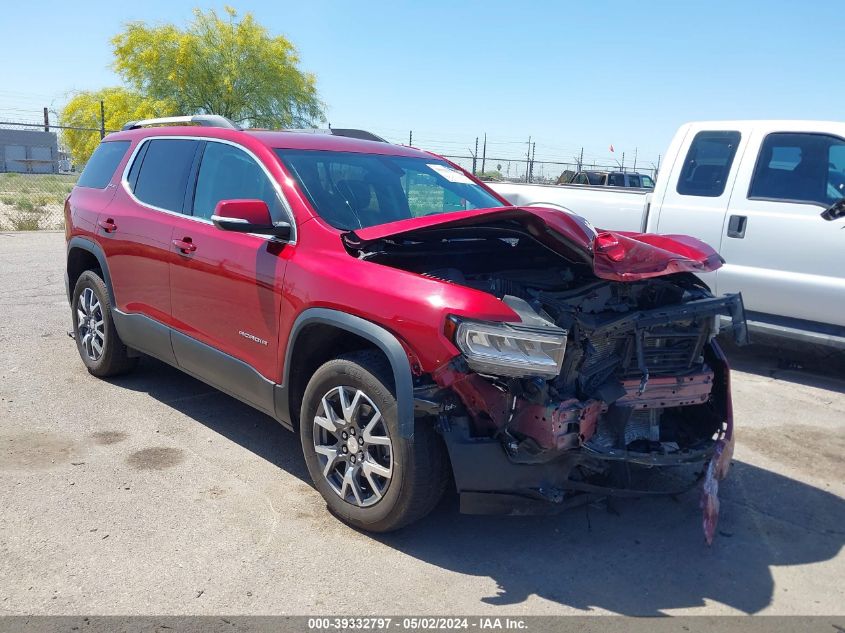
<point>523,452</point>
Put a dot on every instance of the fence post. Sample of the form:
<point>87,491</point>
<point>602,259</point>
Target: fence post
<point>527,159</point>
<point>411,137</point>
<point>475,156</point>
<point>533,154</point>
<point>484,154</point>
<point>46,120</point>
<point>102,120</point>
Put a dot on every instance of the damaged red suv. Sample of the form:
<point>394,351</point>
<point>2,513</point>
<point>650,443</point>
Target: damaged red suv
<point>403,318</point>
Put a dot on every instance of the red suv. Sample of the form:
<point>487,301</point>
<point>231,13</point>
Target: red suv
<point>405,319</point>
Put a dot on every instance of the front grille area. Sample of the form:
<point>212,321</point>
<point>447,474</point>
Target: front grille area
<point>600,351</point>
<point>673,352</point>
<point>666,351</point>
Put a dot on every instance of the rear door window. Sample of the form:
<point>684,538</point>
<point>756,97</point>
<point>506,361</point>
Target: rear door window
<point>708,164</point>
<point>800,168</point>
<point>164,173</point>
<point>100,168</point>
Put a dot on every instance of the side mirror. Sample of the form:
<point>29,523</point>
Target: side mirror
<point>834,211</point>
<point>248,216</point>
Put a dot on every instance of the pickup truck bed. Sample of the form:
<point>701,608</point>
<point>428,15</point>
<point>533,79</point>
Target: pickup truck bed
<point>617,208</point>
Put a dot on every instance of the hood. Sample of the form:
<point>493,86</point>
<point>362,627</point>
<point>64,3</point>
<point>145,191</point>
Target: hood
<point>614,255</point>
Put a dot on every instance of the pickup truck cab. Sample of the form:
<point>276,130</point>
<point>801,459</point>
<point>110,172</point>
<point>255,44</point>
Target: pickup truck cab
<point>755,191</point>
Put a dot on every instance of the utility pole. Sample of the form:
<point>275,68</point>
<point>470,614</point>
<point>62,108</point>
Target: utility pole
<point>475,156</point>
<point>635,158</point>
<point>580,159</point>
<point>411,137</point>
<point>622,165</point>
<point>531,164</point>
<point>46,120</point>
<point>527,159</point>
<point>484,154</point>
<point>102,120</point>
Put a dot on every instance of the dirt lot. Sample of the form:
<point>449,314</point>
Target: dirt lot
<point>155,494</point>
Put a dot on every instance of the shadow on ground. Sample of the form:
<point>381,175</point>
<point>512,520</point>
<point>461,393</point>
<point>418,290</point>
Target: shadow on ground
<point>645,557</point>
<point>803,364</point>
<point>227,416</point>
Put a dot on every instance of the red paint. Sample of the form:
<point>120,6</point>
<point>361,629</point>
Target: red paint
<point>559,425</point>
<point>608,244</point>
<point>667,391</point>
<point>253,211</point>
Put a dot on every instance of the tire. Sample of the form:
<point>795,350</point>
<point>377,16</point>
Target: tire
<point>97,341</point>
<point>417,466</point>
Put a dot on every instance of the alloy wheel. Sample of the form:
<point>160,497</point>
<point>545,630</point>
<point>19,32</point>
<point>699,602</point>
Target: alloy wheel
<point>353,446</point>
<point>90,326</point>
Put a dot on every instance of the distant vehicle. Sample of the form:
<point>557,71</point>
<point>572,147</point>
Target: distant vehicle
<point>607,179</point>
<point>769,196</point>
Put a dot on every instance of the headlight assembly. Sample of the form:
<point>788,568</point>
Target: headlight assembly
<point>503,349</point>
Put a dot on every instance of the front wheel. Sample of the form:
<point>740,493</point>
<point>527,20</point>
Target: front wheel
<point>369,475</point>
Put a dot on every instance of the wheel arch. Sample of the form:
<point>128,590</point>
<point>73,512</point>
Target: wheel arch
<point>338,332</point>
<point>81,252</point>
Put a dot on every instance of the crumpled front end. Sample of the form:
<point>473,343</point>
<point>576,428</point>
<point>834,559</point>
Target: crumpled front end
<point>641,404</point>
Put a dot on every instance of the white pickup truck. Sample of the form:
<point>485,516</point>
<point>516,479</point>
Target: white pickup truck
<point>755,191</point>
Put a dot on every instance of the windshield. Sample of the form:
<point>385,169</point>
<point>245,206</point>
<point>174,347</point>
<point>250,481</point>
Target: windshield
<point>353,191</point>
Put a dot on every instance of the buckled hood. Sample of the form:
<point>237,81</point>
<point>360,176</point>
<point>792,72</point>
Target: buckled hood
<point>614,255</point>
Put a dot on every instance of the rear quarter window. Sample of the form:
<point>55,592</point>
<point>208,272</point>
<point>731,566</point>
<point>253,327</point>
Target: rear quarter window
<point>708,164</point>
<point>100,168</point>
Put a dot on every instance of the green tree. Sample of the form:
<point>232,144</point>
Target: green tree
<point>220,65</point>
<point>120,105</point>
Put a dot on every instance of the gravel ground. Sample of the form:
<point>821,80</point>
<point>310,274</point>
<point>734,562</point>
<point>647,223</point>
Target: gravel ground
<point>155,494</point>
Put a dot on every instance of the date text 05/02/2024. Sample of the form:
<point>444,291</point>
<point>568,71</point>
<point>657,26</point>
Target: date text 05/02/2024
<point>414,623</point>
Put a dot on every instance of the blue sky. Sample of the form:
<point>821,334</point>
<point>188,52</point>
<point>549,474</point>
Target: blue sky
<point>569,74</point>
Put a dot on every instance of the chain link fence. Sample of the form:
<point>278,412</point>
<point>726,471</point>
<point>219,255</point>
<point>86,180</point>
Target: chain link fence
<point>37,171</point>
<point>547,172</point>
<point>36,174</point>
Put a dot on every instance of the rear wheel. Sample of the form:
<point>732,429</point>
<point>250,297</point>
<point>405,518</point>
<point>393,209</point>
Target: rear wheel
<point>97,341</point>
<point>369,475</point>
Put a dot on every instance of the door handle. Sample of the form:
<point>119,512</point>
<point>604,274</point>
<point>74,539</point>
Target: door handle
<point>186,246</point>
<point>107,225</point>
<point>736,226</point>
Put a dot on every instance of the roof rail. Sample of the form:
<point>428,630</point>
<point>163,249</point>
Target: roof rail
<point>336,131</point>
<point>204,120</point>
<point>359,134</point>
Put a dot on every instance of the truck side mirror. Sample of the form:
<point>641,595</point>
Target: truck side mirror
<point>834,211</point>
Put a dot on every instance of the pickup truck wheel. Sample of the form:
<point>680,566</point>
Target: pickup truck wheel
<point>369,476</point>
<point>97,341</point>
